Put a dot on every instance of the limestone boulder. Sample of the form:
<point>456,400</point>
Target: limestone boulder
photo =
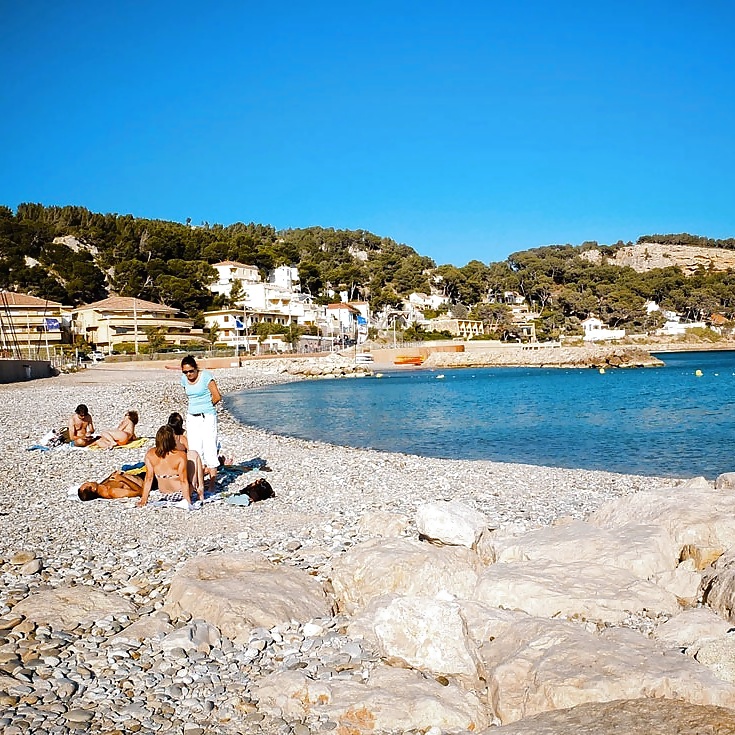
<point>627,717</point>
<point>430,635</point>
<point>383,524</point>
<point>582,590</point>
<point>545,665</point>
<point>451,522</point>
<point>644,550</point>
<point>698,518</point>
<point>405,567</point>
<point>725,481</point>
<point>196,636</point>
<point>146,628</point>
<point>391,700</point>
<point>691,628</point>
<point>718,586</point>
<point>237,592</point>
<point>718,655</point>
<point>67,607</point>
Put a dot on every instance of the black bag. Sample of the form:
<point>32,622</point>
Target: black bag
<point>258,490</point>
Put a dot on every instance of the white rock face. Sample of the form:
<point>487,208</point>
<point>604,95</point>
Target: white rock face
<point>589,591</point>
<point>626,717</point>
<point>541,665</point>
<point>237,592</point>
<point>451,522</point>
<point>68,606</point>
<point>696,517</point>
<point>404,567</point>
<point>392,700</point>
<point>684,582</point>
<point>642,550</point>
<point>424,634</point>
<point>718,586</point>
<point>725,481</point>
<point>718,655</point>
<point>692,627</point>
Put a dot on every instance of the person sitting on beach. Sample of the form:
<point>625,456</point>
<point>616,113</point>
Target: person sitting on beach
<point>117,485</point>
<point>81,427</point>
<point>168,465</point>
<point>195,466</point>
<point>124,434</point>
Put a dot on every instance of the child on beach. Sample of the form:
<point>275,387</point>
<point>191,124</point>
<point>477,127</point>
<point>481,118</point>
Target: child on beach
<point>194,461</point>
<point>81,427</point>
<point>124,434</point>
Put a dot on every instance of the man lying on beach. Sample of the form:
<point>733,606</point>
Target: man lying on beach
<point>81,427</point>
<point>117,485</point>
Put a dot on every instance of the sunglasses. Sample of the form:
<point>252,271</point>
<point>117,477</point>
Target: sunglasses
<point>188,372</point>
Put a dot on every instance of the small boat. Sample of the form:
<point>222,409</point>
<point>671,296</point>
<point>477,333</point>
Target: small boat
<point>363,358</point>
<point>408,360</point>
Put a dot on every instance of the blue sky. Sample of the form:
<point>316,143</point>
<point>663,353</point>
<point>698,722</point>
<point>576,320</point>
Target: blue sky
<point>467,130</point>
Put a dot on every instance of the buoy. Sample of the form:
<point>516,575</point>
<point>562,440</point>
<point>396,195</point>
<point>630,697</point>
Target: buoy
<point>378,375</point>
<point>602,371</point>
<point>698,373</point>
<point>439,377</point>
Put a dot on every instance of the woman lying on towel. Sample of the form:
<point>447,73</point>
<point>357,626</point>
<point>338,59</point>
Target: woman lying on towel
<point>169,466</point>
<point>124,434</point>
<point>117,485</point>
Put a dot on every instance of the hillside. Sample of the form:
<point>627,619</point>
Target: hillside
<point>647,256</point>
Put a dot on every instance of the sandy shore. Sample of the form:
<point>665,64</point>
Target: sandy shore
<point>322,491</point>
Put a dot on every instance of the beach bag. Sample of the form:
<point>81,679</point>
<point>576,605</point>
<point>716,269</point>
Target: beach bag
<point>258,490</point>
<point>54,438</point>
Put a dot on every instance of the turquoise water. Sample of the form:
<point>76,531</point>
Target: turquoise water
<point>656,421</point>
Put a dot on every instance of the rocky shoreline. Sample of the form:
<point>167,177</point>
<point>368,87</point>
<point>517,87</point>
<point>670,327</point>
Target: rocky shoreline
<point>76,579</point>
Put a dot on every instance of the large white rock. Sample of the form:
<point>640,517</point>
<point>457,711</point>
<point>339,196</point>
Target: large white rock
<point>642,550</point>
<point>541,665</point>
<point>451,522</point>
<point>67,607</point>
<point>692,628</point>
<point>683,582</point>
<point>237,592</point>
<point>695,517</point>
<point>381,523</point>
<point>718,655</point>
<point>422,633</point>
<point>718,586</point>
<point>399,565</point>
<point>392,700</point>
<point>626,717</point>
<point>588,591</point>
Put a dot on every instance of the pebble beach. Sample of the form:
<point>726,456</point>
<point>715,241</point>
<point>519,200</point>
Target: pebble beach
<point>60,680</point>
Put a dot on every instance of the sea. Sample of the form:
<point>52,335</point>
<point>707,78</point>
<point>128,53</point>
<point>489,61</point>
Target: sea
<point>673,421</point>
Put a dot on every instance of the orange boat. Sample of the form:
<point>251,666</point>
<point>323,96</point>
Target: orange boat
<point>408,360</point>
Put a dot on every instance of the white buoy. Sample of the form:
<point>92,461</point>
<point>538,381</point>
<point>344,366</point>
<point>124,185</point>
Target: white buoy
<point>439,377</point>
<point>602,371</point>
<point>698,373</point>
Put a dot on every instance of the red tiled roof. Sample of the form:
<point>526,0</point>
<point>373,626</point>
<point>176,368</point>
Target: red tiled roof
<point>125,303</point>
<point>21,299</point>
<point>235,264</point>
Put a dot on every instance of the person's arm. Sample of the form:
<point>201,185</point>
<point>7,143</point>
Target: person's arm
<point>214,390</point>
<point>90,427</point>
<point>184,476</point>
<point>72,430</point>
<point>148,484</point>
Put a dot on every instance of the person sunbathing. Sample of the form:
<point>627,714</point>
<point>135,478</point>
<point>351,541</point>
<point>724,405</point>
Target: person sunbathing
<point>169,466</point>
<point>117,485</point>
<point>81,427</point>
<point>124,434</point>
<point>194,461</point>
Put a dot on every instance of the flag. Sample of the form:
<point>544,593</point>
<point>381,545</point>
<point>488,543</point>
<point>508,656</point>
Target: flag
<point>238,323</point>
<point>52,325</point>
<point>361,320</point>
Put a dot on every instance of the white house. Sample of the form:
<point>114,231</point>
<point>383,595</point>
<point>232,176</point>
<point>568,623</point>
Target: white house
<point>230,271</point>
<point>595,330</point>
<point>285,277</point>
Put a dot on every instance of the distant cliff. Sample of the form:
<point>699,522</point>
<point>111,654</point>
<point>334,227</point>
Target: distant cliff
<point>649,255</point>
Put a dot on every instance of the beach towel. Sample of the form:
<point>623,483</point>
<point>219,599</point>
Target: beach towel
<point>135,444</point>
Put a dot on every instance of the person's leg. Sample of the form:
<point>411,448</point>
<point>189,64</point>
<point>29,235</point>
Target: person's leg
<point>209,449</point>
<point>196,472</point>
<point>105,441</point>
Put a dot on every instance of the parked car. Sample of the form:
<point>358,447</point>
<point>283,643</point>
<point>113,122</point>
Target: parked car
<point>96,356</point>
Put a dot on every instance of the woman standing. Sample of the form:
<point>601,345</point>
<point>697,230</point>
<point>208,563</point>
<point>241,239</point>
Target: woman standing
<point>201,419</point>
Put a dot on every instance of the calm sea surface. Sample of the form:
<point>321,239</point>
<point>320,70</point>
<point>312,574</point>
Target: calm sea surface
<point>657,421</point>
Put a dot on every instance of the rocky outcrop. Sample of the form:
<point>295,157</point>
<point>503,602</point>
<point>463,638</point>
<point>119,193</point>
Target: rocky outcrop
<point>238,592</point>
<point>545,356</point>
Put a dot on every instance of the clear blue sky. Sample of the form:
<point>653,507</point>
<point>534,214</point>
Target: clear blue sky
<point>467,130</point>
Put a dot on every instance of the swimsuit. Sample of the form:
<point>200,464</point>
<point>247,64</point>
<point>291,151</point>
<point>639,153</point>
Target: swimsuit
<point>166,477</point>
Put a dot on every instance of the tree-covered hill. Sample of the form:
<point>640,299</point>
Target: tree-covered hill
<point>75,256</point>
